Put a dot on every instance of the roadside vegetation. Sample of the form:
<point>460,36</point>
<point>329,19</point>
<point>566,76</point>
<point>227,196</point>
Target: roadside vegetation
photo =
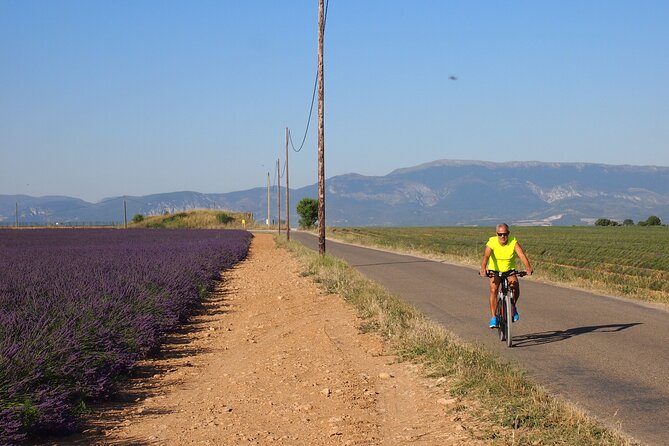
<point>196,219</point>
<point>513,409</point>
<point>627,261</point>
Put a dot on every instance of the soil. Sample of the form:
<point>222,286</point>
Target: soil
<point>274,360</point>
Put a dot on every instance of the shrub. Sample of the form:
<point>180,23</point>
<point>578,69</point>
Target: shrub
<point>224,218</point>
<point>653,220</point>
<point>605,222</point>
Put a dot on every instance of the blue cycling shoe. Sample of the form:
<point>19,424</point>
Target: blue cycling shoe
<point>493,322</point>
<point>516,316</point>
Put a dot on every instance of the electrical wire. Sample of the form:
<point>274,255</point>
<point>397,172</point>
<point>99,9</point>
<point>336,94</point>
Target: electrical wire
<point>313,95</point>
<point>274,180</point>
<point>306,131</point>
<point>283,171</point>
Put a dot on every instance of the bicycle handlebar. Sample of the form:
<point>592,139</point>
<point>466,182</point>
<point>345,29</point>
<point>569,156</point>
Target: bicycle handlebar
<point>512,272</point>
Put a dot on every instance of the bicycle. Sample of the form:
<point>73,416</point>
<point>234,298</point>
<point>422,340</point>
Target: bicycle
<point>505,306</point>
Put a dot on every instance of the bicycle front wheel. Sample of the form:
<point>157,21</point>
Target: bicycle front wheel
<point>501,318</point>
<point>508,311</point>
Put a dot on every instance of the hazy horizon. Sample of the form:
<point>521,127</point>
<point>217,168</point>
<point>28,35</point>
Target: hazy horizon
<point>104,99</point>
<point>454,161</point>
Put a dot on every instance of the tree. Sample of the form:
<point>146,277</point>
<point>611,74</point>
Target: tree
<point>137,218</point>
<point>307,208</point>
<point>653,220</point>
<point>605,222</point>
<point>628,222</point>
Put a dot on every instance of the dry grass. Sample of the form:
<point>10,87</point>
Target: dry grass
<point>521,412</point>
<point>199,219</point>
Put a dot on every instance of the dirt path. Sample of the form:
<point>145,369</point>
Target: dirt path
<point>277,361</point>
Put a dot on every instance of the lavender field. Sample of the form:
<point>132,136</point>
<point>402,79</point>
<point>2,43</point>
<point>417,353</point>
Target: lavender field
<point>79,308</point>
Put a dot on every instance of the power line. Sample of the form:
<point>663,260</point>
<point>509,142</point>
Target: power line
<point>274,181</point>
<point>313,95</point>
<point>283,171</point>
<point>311,110</point>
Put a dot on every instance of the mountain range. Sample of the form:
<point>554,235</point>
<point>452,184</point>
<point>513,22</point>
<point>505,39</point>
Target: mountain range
<point>443,192</point>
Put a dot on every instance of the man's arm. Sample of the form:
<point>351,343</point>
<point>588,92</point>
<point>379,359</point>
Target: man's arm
<point>484,263</point>
<point>524,258</point>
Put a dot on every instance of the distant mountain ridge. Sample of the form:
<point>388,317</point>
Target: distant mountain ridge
<point>443,192</point>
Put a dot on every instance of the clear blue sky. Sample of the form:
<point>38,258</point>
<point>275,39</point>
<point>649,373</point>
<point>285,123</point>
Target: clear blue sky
<point>132,97</point>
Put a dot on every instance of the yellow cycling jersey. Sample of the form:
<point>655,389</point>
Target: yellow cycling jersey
<point>503,257</point>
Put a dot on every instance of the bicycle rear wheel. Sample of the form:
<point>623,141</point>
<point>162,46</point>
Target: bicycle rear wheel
<point>508,311</point>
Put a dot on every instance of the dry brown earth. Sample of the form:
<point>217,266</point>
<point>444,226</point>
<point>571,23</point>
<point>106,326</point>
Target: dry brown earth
<point>276,361</point>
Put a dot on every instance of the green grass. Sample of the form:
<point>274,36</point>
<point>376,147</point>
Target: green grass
<point>517,411</point>
<point>629,261</point>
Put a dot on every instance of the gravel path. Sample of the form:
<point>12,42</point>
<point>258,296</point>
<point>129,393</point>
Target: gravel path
<point>275,360</point>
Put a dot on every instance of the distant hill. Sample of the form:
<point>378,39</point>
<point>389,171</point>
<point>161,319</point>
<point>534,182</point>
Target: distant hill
<point>444,192</point>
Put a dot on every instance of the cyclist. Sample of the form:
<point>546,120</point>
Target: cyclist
<point>500,256</point>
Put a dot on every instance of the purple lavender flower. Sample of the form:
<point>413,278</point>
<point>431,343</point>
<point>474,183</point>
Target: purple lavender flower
<point>78,308</point>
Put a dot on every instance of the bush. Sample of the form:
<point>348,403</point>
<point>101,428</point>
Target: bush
<point>605,222</point>
<point>653,220</point>
<point>138,218</point>
<point>224,218</point>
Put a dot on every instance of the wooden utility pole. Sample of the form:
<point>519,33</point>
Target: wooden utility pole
<point>268,187</point>
<point>321,134</point>
<point>287,193</point>
<point>125,214</point>
<point>278,192</point>
<point>17,214</point>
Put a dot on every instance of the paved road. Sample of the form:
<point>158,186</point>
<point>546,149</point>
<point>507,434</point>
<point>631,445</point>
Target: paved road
<point>610,356</point>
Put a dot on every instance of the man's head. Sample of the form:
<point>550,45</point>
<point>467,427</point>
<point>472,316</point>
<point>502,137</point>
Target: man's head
<point>503,233</point>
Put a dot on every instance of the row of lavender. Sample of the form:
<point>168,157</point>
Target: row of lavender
<point>78,308</point>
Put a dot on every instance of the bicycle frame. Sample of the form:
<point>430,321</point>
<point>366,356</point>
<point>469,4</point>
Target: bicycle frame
<point>505,304</point>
